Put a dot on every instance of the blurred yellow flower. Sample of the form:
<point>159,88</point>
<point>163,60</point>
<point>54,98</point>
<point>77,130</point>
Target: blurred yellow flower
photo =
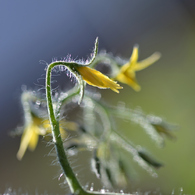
<point>127,71</point>
<point>36,127</point>
<point>97,79</point>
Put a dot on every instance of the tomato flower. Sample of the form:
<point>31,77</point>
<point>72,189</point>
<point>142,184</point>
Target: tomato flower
<point>127,71</point>
<point>95,78</point>
<point>39,126</point>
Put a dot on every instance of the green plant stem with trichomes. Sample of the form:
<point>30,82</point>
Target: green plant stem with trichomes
<point>68,172</point>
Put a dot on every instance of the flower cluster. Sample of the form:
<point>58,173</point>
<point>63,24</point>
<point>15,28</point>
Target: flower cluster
<point>95,129</point>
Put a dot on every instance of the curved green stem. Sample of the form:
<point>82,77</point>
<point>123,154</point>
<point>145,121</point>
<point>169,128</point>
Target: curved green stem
<point>73,183</point>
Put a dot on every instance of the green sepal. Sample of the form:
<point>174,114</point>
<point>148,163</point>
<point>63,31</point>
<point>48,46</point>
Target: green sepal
<point>150,160</point>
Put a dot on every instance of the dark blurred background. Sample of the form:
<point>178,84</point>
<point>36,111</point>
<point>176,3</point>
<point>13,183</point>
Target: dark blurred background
<point>42,30</point>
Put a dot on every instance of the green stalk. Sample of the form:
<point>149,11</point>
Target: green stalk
<point>73,183</point>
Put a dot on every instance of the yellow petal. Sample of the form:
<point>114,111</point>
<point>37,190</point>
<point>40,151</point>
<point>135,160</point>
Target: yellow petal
<point>97,79</point>
<point>46,125</point>
<point>131,81</point>
<point>147,62</point>
<point>130,66</point>
<point>134,56</point>
<point>63,133</point>
<point>124,68</point>
<point>24,141</point>
<point>36,120</point>
<point>34,138</point>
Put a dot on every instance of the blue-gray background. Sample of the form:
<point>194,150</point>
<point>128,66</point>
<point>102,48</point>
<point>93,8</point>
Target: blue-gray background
<point>33,31</point>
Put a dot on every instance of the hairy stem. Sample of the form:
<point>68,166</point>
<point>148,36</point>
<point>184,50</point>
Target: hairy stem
<point>73,183</point>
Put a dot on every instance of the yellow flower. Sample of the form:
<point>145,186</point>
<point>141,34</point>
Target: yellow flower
<point>29,139</point>
<point>127,71</point>
<point>97,79</point>
<point>37,127</point>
